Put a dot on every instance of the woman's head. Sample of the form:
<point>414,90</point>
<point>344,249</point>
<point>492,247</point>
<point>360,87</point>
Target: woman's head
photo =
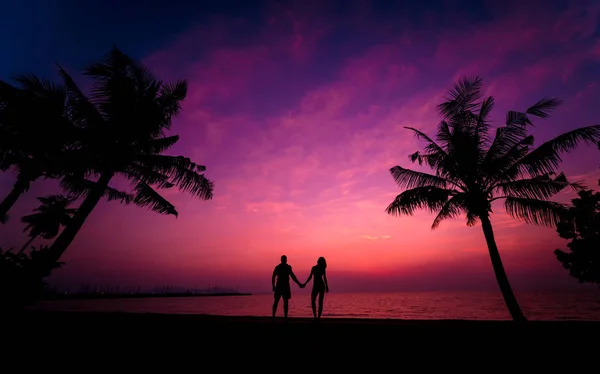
<point>321,262</point>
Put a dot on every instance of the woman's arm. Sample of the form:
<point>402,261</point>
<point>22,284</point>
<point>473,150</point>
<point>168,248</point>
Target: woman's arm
<point>325,279</point>
<point>310,276</point>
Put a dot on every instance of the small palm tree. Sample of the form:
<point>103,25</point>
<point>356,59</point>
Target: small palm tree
<point>48,219</point>
<point>123,126</point>
<point>472,170</point>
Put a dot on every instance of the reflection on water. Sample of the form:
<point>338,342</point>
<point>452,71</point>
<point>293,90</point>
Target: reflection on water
<point>426,305</point>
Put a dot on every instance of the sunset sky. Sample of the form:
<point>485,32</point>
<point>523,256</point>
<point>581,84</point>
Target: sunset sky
<point>297,109</point>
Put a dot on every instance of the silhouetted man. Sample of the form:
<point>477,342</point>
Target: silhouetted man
<point>282,289</point>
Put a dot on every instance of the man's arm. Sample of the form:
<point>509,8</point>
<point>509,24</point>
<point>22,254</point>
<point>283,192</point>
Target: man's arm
<point>293,276</point>
<point>273,280</point>
<point>325,279</point>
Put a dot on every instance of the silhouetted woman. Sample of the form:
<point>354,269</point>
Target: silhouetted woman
<point>320,285</point>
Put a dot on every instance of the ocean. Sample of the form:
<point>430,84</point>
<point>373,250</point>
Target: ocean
<point>398,305</point>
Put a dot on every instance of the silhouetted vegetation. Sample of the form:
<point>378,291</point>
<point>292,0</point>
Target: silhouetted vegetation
<point>474,169</point>
<point>48,219</point>
<point>53,130</point>
<point>35,134</point>
<point>22,276</point>
<point>582,227</point>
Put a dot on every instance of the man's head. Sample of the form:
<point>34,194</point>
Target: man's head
<point>284,259</point>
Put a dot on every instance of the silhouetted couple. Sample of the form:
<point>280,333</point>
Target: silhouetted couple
<point>281,285</point>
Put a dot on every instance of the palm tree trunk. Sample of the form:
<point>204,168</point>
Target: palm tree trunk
<point>18,189</point>
<point>501,278</point>
<point>66,237</point>
<point>31,239</point>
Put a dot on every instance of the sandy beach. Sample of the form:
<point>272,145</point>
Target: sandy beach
<point>123,337</point>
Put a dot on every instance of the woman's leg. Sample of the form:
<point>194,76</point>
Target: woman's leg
<point>321,296</point>
<point>313,304</point>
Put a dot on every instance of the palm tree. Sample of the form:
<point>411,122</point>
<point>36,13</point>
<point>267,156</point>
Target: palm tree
<point>123,126</point>
<point>34,131</point>
<point>472,169</point>
<point>48,219</point>
<point>39,139</point>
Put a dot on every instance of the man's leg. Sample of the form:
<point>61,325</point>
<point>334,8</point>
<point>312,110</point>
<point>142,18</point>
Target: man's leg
<point>275,303</point>
<point>321,296</point>
<point>285,306</point>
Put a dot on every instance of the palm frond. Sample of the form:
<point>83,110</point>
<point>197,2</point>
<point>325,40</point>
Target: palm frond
<point>506,139</point>
<point>430,142</point>
<point>452,208</point>
<point>462,97</point>
<point>80,109</point>
<point>517,118</point>
<point>138,171</point>
<point>146,196</point>
<point>42,88</point>
<point>163,144</point>
<point>170,97</point>
<point>499,159</point>
<point>539,187</point>
<point>482,121</point>
<point>113,91</point>
<point>444,134</point>
<point>80,188</point>
<point>432,155</point>
<point>471,219</point>
<point>486,109</point>
<point>184,173</point>
<point>543,107</point>
<point>425,197</point>
<point>406,178</point>
<point>114,64</point>
<point>546,158</point>
<point>534,211</point>
<point>145,83</point>
<point>540,109</point>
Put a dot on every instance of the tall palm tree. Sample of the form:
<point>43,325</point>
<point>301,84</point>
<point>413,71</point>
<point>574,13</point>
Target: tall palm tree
<point>124,124</point>
<point>49,218</point>
<point>474,169</point>
<point>34,132</point>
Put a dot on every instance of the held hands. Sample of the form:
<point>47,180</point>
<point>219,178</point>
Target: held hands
<point>302,285</point>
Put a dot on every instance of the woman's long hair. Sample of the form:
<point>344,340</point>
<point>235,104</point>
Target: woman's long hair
<point>322,263</point>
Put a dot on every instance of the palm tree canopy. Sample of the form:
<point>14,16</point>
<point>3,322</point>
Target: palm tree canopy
<point>34,129</point>
<point>53,213</point>
<point>38,137</point>
<point>473,167</point>
<point>123,126</point>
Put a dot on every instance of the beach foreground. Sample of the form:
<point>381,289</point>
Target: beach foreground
<point>152,338</point>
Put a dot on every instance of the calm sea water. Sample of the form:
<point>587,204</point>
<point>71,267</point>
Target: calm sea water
<point>426,305</point>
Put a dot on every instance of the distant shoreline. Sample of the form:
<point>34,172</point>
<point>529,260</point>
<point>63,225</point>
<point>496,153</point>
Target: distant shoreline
<point>82,296</point>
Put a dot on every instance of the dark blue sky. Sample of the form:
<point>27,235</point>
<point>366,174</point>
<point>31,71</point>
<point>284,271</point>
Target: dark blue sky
<point>37,32</point>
